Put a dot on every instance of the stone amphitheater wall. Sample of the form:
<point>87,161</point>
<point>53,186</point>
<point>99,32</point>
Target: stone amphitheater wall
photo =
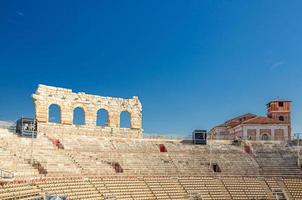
<point>68,101</point>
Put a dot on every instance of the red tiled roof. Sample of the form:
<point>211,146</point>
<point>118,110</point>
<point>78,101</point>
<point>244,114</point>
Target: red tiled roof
<point>261,120</point>
<point>248,119</point>
<point>238,120</point>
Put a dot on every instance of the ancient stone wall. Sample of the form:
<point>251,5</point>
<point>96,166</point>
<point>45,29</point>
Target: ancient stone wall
<point>67,101</point>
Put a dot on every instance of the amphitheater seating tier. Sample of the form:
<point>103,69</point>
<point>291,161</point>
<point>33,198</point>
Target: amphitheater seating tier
<point>88,154</point>
<point>247,188</point>
<point>85,169</point>
<point>165,188</point>
<point>20,191</point>
<point>276,160</point>
<point>294,187</point>
<point>206,187</point>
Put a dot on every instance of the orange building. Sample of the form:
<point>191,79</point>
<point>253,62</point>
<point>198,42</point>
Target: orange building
<point>280,110</point>
<point>275,126</point>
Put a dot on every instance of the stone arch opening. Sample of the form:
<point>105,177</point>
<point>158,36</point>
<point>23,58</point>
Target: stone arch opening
<point>54,113</point>
<point>265,137</point>
<point>102,117</point>
<point>125,119</point>
<point>281,118</point>
<point>79,116</point>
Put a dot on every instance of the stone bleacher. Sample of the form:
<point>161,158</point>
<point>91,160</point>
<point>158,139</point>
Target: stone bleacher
<point>294,186</point>
<point>247,188</point>
<point>276,160</point>
<point>140,188</point>
<point>89,154</point>
<point>72,187</point>
<point>20,190</point>
<point>86,169</point>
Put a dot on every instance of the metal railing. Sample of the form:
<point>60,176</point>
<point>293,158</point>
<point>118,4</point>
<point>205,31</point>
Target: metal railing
<point>166,136</point>
<point>6,174</point>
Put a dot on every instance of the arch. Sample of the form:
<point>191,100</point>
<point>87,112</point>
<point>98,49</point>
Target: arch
<point>102,117</point>
<point>125,119</point>
<point>79,116</point>
<point>265,136</point>
<point>54,113</point>
<point>281,118</point>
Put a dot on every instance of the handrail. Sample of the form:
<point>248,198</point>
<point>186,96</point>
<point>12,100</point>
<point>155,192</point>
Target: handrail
<point>6,174</point>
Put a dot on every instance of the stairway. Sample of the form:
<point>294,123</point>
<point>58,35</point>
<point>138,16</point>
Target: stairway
<point>74,161</point>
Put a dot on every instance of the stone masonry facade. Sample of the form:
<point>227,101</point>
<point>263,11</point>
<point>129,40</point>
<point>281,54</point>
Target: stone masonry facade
<point>67,101</point>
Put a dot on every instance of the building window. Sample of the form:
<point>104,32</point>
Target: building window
<point>281,104</point>
<point>281,118</point>
<point>216,167</point>
<point>265,137</point>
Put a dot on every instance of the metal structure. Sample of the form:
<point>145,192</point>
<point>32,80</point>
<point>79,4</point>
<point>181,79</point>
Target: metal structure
<point>55,197</point>
<point>26,127</point>
<point>199,137</point>
<point>6,174</point>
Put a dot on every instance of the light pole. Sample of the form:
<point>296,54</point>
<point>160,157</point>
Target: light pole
<point>33,132</point>
<point>211,138</point>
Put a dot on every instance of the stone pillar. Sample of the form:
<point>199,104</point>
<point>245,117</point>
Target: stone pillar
<point>90,116</point>
<point>136,113</point>
<point>273,133</point>
<point>94,117</point>
<point>136,120</point>
<point>113,119</point>
<point>41,110</point>
<point>285,134</point>
<point>66,114</point>
<point>257,134</point>
<point>244,133</point>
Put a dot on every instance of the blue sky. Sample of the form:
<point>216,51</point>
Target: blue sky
<point>193,64</point>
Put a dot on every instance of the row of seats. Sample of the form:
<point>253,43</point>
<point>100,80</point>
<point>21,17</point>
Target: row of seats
<point>22,190</point>
<point>156,187</point>
<point>294,186</point>
<point>248,188</point>
<point>72,188</point>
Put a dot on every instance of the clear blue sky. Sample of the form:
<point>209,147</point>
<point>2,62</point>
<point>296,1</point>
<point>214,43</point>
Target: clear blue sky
<point>193,64</point>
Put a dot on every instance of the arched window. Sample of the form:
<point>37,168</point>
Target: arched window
<point>265,137</point>
<point>54,113</point>
<point>78,116</point>
<point>125,119</point>
<point>102,118</point>
<point>281,118</point>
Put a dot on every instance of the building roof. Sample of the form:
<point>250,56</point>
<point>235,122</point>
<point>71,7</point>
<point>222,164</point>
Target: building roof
<point>238,120</point>
<point>247,118</point>
<point>261,120</point>
<point>278,100</point>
